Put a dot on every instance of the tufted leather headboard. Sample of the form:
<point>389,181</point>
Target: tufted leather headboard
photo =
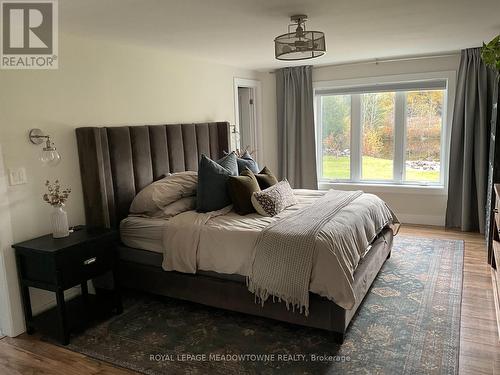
<point>117,162</point>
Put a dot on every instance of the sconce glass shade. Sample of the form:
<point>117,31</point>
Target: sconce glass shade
<point>50,157</point>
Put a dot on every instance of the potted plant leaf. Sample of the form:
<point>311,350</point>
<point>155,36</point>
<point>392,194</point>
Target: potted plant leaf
<point>490,53</point>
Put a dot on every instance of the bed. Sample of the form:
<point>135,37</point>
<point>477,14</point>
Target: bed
<point>117,162</point>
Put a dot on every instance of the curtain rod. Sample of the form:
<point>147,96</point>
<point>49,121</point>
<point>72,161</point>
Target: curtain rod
<point>384,60</point>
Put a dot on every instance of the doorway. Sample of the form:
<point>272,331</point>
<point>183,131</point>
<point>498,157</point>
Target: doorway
<point>246,120</point>
<point>246,133</point>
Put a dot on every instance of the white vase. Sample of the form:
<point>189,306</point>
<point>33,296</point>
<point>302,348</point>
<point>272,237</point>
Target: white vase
<point>59,221</point>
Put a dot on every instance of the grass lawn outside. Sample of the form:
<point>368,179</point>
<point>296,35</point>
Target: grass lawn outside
<point>372,169</point>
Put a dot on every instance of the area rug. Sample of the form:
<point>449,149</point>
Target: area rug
<point>409,323</point>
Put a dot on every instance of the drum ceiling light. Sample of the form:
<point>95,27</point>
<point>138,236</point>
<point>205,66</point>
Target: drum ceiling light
<point>300,44</point>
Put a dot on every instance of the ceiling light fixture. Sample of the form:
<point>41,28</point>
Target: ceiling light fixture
<point>49,155</point>
<point>300,44</point>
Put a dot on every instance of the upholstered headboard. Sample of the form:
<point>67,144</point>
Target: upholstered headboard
<point>117,162</point>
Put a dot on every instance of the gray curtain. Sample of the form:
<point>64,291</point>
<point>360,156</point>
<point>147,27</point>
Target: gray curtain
<point>468,171</point>
<point>296,134</point>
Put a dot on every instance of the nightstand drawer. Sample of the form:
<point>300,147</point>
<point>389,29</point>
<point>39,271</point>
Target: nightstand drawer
<point>37,267</point>
<point>84,262</point>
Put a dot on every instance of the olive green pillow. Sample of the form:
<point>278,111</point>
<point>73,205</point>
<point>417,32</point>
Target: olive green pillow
<point>241,189</point>
<point>266,178</point>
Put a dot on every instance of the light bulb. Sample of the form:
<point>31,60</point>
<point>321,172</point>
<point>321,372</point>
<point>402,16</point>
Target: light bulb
<point>50,157</point>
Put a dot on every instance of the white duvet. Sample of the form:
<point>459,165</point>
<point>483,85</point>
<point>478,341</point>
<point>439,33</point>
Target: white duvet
<point>224,242</point>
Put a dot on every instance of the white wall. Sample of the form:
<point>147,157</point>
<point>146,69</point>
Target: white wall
<point>98,83</point>
<point>11,322</point>
<point>418,208</point>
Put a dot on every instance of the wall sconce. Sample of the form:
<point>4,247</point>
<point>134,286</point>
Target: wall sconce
<point>49,155</point>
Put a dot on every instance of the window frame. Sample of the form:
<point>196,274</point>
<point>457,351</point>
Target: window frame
<point>399,169</point>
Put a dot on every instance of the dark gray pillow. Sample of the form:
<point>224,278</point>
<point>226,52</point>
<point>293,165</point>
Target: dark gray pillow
<point>230,162</point>
<point>246,161</point>
<point>212,194</point>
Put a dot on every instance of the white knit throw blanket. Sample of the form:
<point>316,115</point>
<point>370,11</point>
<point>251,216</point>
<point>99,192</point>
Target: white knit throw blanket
<point>285,249</point>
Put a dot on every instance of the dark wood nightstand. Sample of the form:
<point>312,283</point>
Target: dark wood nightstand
<point>59,264</point>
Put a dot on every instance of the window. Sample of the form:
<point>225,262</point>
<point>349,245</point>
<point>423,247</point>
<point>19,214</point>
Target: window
<point>391,133</point>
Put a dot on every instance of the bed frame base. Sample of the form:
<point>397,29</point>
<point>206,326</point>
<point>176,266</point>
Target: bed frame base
<point>232,295</point>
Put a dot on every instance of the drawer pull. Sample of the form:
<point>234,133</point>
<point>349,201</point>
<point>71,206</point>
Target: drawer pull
<point>495,210</point>
<point>89,261</point>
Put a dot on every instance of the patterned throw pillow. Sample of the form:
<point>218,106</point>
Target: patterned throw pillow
<point>273,200</point>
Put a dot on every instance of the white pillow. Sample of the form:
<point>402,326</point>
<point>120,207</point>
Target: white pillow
<point>156,196</point>
<point>178,207</point>
<point>274,199</point>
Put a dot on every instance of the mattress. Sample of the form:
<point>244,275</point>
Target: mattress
<point>142,233</point>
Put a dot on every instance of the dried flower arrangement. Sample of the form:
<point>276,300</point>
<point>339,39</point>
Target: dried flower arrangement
<point>240,152</point>
<point>55,196</point>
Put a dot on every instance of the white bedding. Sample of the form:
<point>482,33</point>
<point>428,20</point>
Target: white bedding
<point>225,244</point>
<point>145,233</point>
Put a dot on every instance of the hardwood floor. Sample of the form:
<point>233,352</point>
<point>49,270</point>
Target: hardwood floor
<point>479,341</point>
<point>479,345</point>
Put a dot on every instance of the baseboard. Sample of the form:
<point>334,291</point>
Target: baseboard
<point>436,220</point>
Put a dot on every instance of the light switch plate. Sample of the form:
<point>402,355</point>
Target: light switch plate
<point>17,176</point>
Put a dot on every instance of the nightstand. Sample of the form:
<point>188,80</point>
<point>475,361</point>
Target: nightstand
<point>59,264</point>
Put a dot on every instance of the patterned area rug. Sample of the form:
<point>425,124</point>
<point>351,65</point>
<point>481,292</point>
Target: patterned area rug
<point>409,323</point>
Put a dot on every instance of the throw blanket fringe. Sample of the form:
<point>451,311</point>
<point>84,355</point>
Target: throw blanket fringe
<point>284,252</point>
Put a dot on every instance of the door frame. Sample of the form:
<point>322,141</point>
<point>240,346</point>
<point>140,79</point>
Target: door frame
<point>256,124</point>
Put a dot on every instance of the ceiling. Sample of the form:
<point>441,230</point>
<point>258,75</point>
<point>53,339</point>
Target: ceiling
<point>241,32</point>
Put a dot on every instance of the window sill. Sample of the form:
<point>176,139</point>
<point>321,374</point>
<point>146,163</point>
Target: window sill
<point>385,188</point>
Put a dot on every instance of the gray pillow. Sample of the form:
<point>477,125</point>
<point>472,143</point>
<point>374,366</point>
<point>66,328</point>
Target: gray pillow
<point>230,162</point>
<point>212,178</point>
<point>246,161</point>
